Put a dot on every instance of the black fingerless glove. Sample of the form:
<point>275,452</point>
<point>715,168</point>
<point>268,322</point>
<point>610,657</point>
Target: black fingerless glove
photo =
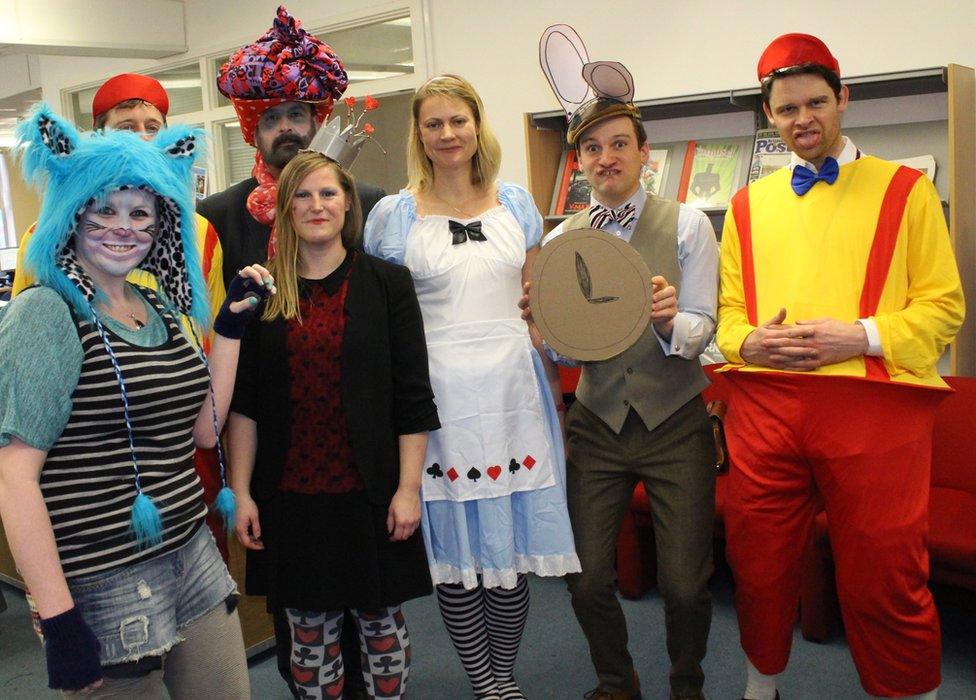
<point>72,652</point>
<point>230,324</point>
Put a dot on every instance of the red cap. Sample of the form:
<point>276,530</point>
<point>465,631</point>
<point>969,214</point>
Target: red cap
<point>793,50</point>
<point>129,86</point>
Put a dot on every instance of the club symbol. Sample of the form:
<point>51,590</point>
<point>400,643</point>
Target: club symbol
<point>474,474</point>
<point>335,670</point>
<point>376,628</point>
<point>586,285</point>
<point>513,467</point>
<point>435,470</point>
<point>386,663</point>
<point>304,655</point>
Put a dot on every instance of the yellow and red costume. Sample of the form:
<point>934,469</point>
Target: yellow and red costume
<point>855,436</point>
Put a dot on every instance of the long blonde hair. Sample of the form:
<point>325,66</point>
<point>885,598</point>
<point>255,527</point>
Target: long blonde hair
<point>284,265</point>
<point>488,158</point>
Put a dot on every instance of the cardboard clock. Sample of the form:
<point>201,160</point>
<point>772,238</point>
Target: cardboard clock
<point>591,294</point>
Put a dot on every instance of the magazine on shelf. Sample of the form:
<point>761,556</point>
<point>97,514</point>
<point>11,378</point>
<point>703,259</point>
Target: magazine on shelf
<point>710,173</point>
<point>769,154</point>
<point>655,173</point>
<point>924,163</point>
<point>572,191</point>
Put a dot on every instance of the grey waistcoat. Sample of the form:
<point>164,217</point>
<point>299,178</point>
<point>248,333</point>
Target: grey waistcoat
<point>642,377</point>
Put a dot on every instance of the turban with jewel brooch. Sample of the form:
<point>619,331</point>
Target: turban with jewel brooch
<point>286,64</point>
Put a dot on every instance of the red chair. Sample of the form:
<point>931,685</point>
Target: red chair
<point>952,517</point>
<point>636,560</point>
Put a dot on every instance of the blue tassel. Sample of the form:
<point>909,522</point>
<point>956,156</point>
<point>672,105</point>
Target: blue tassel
<point>146,523</point>
<point>226,505</point>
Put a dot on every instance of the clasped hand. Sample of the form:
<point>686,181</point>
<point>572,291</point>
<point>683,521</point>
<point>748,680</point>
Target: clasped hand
<point>805,345</point>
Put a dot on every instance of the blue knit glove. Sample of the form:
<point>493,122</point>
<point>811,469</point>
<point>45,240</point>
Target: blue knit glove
<point>230,324</point>
<point>72,652</point>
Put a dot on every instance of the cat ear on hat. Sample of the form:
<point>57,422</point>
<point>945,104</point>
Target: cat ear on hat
<point>181,143</point>
<point>46,141</point>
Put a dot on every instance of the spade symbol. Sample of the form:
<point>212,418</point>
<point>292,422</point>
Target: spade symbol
<point>435,470</point>
<point>513,467</point>
<point>474,474</point>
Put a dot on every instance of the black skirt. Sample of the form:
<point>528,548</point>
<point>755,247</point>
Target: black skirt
<point>330,552</point>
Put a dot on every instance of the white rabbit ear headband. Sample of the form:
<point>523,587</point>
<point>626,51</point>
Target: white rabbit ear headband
<point>588,91</point>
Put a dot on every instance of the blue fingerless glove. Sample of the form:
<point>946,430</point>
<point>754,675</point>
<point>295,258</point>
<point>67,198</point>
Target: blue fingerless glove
<point>230,324</point>
<point>72,652</point>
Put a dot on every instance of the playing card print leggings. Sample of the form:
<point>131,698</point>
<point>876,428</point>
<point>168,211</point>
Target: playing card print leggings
<point>316,661</point>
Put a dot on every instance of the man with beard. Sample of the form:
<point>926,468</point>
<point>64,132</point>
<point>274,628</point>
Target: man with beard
<point>282,86</point>
<point>279,108</point>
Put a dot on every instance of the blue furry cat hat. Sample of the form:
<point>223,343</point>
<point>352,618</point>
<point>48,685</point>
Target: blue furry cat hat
<point>76,170</point>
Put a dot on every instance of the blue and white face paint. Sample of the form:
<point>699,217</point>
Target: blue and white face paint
<point>114,236</point>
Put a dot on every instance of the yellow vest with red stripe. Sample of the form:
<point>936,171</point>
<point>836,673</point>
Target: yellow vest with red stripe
<point>874,244</point>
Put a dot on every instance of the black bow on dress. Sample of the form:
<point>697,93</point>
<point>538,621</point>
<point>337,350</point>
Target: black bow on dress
<point>463,232</point>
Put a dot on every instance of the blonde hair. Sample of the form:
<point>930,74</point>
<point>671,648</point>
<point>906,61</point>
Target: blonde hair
<point>284,265</point>
<point>488,158</point>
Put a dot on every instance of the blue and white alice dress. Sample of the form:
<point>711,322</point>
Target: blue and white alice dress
<point>494,491</point>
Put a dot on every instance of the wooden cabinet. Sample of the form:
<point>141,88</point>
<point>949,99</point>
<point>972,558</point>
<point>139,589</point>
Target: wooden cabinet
<point>894,115</point>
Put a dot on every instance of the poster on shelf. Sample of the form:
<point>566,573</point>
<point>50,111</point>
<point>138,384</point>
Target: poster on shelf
<point>710,174</point>
<point>199,182</point>
<point>924,163</point>
<point>572,193</point>
<point>655,172</point>
<point>769,154</point>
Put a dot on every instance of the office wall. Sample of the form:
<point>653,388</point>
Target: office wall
<point>672,48</point>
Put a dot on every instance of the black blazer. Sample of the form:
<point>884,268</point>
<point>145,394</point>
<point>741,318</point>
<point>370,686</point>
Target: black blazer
<point>243,240</point>
<point>385,382</point>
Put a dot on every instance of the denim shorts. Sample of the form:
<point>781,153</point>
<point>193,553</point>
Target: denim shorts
<point>139,610</point>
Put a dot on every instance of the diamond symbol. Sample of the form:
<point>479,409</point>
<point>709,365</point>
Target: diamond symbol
<point>452,474</point>
<point>529,462</point>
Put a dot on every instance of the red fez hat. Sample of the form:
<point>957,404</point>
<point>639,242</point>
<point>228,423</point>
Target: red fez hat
<point>792,50</point>
<point>129,86</point>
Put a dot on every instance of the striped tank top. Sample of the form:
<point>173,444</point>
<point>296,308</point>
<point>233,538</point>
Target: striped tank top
<point>88,481</point>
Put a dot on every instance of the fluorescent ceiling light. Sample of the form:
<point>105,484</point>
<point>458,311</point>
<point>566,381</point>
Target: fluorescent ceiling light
<point>180,83</point>
<point>360,75</point>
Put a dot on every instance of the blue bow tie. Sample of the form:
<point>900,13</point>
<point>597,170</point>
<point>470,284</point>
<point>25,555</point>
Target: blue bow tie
<point>804,178</point>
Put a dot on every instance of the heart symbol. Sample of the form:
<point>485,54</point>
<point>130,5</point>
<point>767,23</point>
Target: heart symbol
<point>529,462</point>
<point>494,472</point>
<point>388,685</point>
<point>381,643</point>
<point>306,636</point>
<point>335,690</point>
<point>452,474</point>
<point>302,677</point>
<point>332,651</point>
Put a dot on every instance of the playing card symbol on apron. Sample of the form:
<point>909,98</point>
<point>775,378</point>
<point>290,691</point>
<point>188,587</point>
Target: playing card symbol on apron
<point>492,440</point>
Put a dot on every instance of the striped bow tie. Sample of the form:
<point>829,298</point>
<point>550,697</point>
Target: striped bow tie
<point>600,216</point>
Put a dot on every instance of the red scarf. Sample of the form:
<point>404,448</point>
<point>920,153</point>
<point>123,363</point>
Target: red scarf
<point>261,202</point>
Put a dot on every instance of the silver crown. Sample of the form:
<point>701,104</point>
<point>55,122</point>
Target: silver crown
<point>340,144</point>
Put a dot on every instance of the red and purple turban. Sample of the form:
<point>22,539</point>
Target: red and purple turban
<point>286,64</point>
